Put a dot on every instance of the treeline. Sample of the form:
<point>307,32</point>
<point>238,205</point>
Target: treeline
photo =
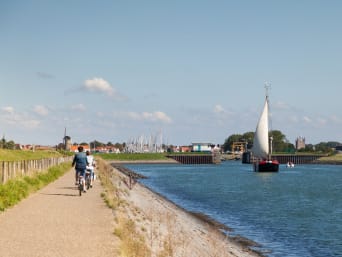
<point>280,143</point>
<point>4,144</point>
<point>95,144</point>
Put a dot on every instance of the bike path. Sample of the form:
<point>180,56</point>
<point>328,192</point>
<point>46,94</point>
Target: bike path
<point>56,221</point>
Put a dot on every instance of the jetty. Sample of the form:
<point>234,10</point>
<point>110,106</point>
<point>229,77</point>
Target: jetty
<point>247,157</point>
<point>212,158</point>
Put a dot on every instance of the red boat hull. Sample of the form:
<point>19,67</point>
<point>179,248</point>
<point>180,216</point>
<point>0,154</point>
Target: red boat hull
<point>266,166</point>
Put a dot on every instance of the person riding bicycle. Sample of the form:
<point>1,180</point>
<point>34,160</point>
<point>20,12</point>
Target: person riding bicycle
<point>90,167</point>
<point>80,162</point>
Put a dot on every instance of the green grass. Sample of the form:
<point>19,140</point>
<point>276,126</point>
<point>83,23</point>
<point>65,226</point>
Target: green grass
<point>332,158</point>
<point>133,156</point>
<point>19,155</point>
<point>15,190</point>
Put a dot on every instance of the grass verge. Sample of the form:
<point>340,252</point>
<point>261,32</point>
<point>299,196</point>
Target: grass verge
<point>18,155</point>
<point>336,158</point>
<point>15,190</point>
<point>133,156</point>
<point>132,240</point>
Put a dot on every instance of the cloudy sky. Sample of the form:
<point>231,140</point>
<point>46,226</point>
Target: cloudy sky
<point>191,70</point>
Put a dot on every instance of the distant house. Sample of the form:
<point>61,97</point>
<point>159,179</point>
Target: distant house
<point>202,147</point>
<point>185,149</point>
<point>74,148</point>
<point>44,147</point>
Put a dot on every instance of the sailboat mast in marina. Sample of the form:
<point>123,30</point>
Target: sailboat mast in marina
<point>262,143</point>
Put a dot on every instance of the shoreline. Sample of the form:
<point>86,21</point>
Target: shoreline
<point>243,245</point>
<point>168,161</point>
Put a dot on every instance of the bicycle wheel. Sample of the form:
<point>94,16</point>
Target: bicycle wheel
<point>80,188</point>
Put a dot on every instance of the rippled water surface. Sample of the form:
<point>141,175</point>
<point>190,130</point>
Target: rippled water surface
<point>296,212</point>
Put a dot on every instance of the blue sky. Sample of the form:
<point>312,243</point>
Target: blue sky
<point>191,70</point>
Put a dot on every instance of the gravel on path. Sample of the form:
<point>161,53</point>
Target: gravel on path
<point>56,221</point>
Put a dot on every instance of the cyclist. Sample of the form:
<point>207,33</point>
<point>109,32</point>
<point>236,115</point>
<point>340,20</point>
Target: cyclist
<point>80,162</point>
<point>90,167</point>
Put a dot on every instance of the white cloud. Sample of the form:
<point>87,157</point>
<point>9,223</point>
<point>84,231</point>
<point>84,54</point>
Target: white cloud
<point>134,115</point>
<point>78,107</point>
<point>160,116</point>
<point>307,119</point>
<point>8,109</point>
<point>218,109</point>
<point>156,116</point>
<point>20,120</point>
<point>152,116</point>
<point>99,84</point>
<point>335,119</point>
<point>281,105</point>
<point>30,123</point>
<point>321,121</point>
<point>41,110</point>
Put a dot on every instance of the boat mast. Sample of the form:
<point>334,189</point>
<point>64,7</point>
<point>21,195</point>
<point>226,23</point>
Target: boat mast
<point>267,88</point>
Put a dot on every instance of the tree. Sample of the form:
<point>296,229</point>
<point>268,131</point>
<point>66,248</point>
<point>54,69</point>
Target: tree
<point>119,146</point>
<point>10,145</point>
<point>3,142</point>
<point>246,137</point>
<point>227,145</point>
<point>280,143</point>
<point>96,144</point>
<point>324,147</point>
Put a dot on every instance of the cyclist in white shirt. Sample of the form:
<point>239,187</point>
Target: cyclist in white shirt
<point>90,167</point>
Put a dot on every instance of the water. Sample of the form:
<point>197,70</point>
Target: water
<point>296,212</point>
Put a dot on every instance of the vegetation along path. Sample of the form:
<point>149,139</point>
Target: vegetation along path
<point>56,221</point>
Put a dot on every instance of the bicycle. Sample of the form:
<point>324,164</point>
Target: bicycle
<point>80,184</point>
<point>88,179</point>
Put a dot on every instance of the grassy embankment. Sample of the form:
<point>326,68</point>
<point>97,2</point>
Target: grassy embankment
<point>138,233</point>
<point>16,189</point>
<point>139,230</point>
<point>332,159</point>
<point>132,243</point>
<point>19,155</point>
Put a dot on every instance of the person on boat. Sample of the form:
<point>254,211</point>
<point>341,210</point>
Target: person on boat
<point>289,165</point>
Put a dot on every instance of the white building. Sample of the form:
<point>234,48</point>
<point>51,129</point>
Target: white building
<point>201,147</point>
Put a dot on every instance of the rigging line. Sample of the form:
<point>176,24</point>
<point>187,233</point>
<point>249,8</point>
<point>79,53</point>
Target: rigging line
<point>268,89</point>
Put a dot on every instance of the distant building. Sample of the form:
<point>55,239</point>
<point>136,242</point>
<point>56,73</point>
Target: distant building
<point>202,147</point>
<point>74,148</point>
<point>67,143</point>
<point>185,149</point>
<point>338,148</point>
<point>300,143</point>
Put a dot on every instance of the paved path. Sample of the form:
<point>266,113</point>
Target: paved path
<point>56,221</point>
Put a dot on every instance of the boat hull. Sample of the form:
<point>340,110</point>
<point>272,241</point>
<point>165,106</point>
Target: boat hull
<point>266,166</point>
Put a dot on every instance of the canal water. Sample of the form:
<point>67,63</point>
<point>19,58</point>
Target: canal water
<point>295,212</point>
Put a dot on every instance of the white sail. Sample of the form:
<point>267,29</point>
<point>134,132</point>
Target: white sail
<point>261,141</point>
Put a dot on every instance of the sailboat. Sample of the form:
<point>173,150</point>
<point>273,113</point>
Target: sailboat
<point>262,143</point>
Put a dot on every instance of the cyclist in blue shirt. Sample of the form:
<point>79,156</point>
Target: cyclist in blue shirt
<point>80,162</point>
